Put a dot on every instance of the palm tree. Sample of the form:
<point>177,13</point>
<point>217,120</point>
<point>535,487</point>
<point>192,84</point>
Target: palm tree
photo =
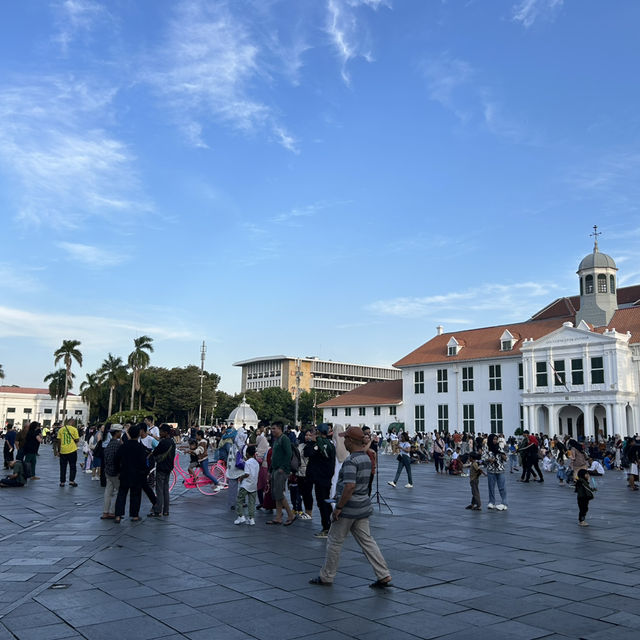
<point>1,373</point>
<point>113,372</point>
<point>90,391</point>
<point>68,352</point>
<point>56,380</point>
<point>139,359</point>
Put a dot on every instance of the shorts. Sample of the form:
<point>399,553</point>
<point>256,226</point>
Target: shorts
<point>633,470</point>
<point>278,484</point>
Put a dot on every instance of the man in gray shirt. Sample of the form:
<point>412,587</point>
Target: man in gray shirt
<point>351,514</point>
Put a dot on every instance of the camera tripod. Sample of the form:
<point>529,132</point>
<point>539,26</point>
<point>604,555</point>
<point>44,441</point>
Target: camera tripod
<point>377,496</point>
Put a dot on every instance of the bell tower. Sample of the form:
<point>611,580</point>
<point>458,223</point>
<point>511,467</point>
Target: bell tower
<point>598,285</point>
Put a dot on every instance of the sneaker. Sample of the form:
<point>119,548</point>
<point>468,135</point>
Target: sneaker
<point>240,520</point>
<point>583,524</point>
<point>391,483</point>
<point>250,522</point>
<point>501,507</point>
<point>491,506</point>
<point>408,486</point>
<point>476,508</point>
<point>217,489</point>
<point>321,534</point>
<point>304,516</point>
<point>469,506</point>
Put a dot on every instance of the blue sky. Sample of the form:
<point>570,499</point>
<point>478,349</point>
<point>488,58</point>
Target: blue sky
<point>305,177</point>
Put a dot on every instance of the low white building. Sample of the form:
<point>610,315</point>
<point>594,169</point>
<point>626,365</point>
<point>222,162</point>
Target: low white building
<point>375,405</point>
<point>573,368</point>
<point>22,405</point>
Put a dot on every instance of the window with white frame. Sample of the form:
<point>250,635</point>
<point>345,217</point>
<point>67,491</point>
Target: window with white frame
<point>443,417</point>
<point>495,414</point>
<point>577,371</point>
<point>393,411</point>
<point>468,418</point>
<point>334,412</point>
<point>376,411</point>
<point>362,411</point>
<point>418,382</point>
<point>419,417</point>
<point>467,378</point>
<point>542,379</point>
<point>347,411</point>
<point>559,373</point>
<point>520,375</point>
<point>443,381</point>
<point>597,370</point>
<point>495,377</point>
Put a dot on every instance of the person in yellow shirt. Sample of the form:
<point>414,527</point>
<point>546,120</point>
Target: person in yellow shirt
<point>68,442</point>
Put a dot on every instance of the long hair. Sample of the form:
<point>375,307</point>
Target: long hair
<point>492,443</point>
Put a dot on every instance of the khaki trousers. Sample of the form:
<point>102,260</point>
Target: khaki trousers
<point>110,492</point>
<point>360,531</point>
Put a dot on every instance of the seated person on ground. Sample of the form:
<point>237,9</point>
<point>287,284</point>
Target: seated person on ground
<point>16,478</point>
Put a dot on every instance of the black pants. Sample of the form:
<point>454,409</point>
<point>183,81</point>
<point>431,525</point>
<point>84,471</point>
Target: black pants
<point>306,491</point>
<point>70,459</point>
<point>322,494</point>
<point>8,455</point>
<point>532,466</point>
<point>583,507</point>
<point>438,460</point>
<point>134,500</point>
<point>149,493</point>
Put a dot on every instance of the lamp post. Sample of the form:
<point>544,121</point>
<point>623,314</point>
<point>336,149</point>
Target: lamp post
<point>298,376</point>
<point>203,352</point>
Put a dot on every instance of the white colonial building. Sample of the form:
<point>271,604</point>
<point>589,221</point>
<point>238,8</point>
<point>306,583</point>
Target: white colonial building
<point>375,404</point>
<point>573,368</point>
<point>22,405</point>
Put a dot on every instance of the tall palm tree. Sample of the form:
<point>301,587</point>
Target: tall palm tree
<point>1,373</point>
<point>114,373</point>
<point>90,391</point>
<point>67,353</point>
<point>56,380</point>
<point>138,360</point>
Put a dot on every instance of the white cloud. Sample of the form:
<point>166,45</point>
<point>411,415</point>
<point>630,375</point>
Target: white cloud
<point>294,215</point>
<point>206,69</point>
<point>510,300</point>
<point>445,77</point>
<point>92,256</point>
<point>21,280</point>
<point>76,18</point>
<point>346,32</point>
<point>66,166</point>
<point>526,12</point>
<point>95,332</point>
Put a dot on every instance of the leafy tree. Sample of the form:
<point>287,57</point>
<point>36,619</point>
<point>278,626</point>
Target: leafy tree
<point>67,353</point>
<point>138,360</point>
<point>121,417</point>
<point>90,391</point>
<point>56,380</point>
<point>308,412</point>
<point>278,403</point>
<point>113,373</point>
<point>1,373</point>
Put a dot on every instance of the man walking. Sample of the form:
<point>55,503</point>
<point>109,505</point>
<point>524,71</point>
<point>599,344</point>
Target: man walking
<point>321,453</point>
<point>68,438</point>
<point>351,514</point>
<point>280,470</point>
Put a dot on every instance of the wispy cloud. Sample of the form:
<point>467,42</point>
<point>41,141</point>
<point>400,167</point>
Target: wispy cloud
<point>76,18</point>
<point>293,216</point>
<point>21,280</point>
<point>347,34</point>
<point>91,256</point>
<point>458,87</point>
<point>526,12</point>
<point>509,299</point>
<point>66,165</point>
<point>206,70</point>
<point>95,332</point>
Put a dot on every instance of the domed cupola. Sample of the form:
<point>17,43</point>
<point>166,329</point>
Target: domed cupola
<point>598,298</point>
<point>243,414</point>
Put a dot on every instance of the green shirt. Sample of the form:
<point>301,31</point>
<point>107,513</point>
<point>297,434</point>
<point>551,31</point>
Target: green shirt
<point>18,469</point>
<point>281,456</point>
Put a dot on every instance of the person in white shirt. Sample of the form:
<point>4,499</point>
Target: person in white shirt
<point>248,488</point>
<point>152,430</point>
<point>596,468</point>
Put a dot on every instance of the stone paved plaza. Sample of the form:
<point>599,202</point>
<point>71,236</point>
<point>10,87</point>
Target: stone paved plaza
<point>529,572</point>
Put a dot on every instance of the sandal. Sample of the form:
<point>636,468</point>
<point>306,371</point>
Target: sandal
<point>381,584</point>
<point>135,519</point>
<point>273,522</point>
<point>117,519</point>
<point>320,581</point>
<point>106,516</point>
<point>288,523</point>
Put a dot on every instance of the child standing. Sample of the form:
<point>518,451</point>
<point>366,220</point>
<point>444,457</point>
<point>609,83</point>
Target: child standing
<point>248,487</point>
<point>475,471</point>
<point>585,493</point>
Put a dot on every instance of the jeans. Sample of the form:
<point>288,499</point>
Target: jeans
<point>438,460</point>
<point>110,492</point>
<point>31,458</point>
<point>204,465</point>
<point>162,492</point>
<point>404,463</point>
<point>251,501</point>
<point>493,479</point>
<point>70,459</point>
<point>475,493</point>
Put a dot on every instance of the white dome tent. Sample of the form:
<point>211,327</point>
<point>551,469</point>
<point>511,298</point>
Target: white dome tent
<point>243,414</point>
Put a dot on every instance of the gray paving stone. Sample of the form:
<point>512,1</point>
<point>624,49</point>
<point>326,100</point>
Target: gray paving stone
<point>47,632</point>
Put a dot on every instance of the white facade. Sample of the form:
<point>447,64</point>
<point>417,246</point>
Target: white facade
<point>378,417</point>
<point>19,406</point>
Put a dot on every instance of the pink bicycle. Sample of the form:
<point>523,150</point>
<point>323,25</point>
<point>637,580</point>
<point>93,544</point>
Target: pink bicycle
<point>198,481</point>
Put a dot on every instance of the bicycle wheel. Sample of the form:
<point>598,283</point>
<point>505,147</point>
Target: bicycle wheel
<point>172,480</point>
<point>206,486</point>
<point>220,472</point>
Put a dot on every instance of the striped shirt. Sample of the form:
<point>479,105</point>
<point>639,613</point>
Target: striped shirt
<point>356,469</point>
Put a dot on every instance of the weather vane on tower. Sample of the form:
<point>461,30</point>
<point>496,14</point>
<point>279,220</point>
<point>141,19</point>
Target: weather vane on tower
<point>595,235</point>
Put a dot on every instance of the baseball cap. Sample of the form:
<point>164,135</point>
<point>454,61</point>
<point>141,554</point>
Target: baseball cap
<point>323,428</point>
<point>354,433</point>
<point>116,427</point>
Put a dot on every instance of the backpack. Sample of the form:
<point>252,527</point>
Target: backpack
<point>296,460</point>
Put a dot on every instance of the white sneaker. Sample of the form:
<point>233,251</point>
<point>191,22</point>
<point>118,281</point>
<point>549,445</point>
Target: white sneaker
<point>501,507</point>
<point>393,484</point>
<point>240,520</point>
<point>217,489</point>
<point>491,506</point>
<point>408,486</point>
<point>251,522</point>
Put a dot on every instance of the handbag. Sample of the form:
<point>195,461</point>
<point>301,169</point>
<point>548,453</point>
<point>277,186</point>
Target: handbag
<point>399,457</point>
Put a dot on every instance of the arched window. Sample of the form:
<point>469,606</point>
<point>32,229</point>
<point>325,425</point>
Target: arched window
<point>581,287</point>
<point>588,284</point>
<point>602,283</point>
<point>612,284</point>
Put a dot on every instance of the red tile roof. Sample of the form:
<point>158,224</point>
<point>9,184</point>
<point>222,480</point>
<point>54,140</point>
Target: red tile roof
<point>626,320</point>
<point>27,390</point>
<point>372,393</point>
<point>481,343</point>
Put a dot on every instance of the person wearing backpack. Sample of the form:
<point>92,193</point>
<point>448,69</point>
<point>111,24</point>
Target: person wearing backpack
<point>321,453</point>
<point>68,438</point>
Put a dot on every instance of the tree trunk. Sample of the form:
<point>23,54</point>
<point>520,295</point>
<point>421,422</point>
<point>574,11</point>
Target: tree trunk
<point>57,409</point>
<point>110,401</point>
<point>66,388</point>
<point>88,413</point>
<point>133,389</point>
